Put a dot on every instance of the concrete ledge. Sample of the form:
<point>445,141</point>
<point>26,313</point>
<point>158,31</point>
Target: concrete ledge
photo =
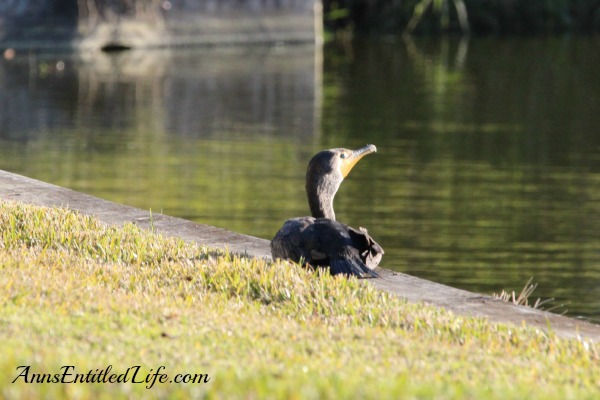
<point>27,190</point>
<point>19,188</point>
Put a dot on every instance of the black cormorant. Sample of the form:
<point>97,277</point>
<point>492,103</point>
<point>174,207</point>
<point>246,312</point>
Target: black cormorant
<point>320,240</point>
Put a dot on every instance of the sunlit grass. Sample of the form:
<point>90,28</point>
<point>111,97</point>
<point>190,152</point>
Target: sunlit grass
<point>77,292</point>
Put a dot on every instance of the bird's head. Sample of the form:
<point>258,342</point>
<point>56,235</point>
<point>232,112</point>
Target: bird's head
<point>326,171</point>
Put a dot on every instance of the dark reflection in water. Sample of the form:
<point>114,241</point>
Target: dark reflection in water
<point>488,163</point>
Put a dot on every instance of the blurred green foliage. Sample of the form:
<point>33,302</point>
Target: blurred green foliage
<point>485,16</point>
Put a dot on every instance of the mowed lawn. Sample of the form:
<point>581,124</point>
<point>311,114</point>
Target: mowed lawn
<point>87,302</point>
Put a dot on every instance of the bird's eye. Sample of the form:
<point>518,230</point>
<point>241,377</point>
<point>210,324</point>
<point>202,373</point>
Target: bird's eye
<point>343,155</point>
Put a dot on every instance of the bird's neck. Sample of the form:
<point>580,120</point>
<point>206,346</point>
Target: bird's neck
<point>320,199</point>
<point>320,208</point>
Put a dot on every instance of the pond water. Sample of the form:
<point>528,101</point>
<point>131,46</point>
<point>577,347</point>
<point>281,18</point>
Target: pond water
<point>488,170</point>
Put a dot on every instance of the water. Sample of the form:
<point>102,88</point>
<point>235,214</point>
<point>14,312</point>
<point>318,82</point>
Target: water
<point>487,172</point>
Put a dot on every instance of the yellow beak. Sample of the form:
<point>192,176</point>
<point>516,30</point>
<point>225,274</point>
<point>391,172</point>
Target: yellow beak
<point>349,162</point>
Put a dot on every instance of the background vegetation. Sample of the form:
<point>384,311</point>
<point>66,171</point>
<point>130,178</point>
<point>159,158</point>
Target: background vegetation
<point>485,17</point>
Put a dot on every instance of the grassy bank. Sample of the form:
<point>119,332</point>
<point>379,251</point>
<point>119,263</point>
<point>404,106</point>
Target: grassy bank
<point>75,292</point>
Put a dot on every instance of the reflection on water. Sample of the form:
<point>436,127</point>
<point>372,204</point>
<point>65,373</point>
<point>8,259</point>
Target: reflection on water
<point>487,172</point>
<point>189,133</point>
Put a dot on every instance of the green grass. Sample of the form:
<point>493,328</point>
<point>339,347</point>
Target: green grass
<point>76,292</point>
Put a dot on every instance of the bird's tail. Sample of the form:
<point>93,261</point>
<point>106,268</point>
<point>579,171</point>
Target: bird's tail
<point>351,266</point>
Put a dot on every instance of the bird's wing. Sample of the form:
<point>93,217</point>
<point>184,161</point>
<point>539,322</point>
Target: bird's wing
<point>351,266</point>
<point>370,251</point>
<point>293,241</point>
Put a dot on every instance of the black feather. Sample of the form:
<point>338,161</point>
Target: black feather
<point>350,266</point>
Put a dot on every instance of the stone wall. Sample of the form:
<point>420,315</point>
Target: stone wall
<point>110,24</point>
